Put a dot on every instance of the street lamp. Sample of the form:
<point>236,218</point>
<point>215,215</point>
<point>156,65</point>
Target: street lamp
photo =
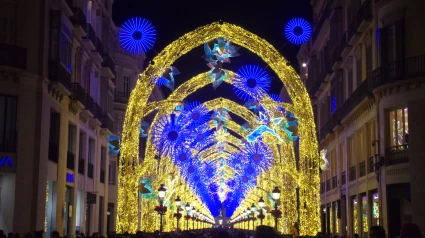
<point>253,209</point>
<point>261,205</point>
<point>188,208</point>
<point>178,203</point>
<point>276,196</point>
<point>161,195</point>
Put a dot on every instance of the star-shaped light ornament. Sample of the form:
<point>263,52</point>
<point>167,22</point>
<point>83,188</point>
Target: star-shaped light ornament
<point>215,57</point>
<point>167,78</point>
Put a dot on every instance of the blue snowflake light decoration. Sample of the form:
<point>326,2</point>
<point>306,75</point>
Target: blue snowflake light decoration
<point>182,156</point>
<point>195,114</point>
<point>114,144</point>
<point>168,134</point>
<point>201,137</point>
<point>259,155</point>
<point>298,31</point>
<point>137,35</point>
<point>250,82</point>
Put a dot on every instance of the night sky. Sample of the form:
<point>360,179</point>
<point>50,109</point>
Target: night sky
<point>173,19</point>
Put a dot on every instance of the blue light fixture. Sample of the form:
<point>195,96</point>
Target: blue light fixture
<point>169,134</point>
<point>298,31</point>
<point>250,82</point>
<point>137,35</point>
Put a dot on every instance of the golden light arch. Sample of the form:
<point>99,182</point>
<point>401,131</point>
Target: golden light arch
<point>129,166</point>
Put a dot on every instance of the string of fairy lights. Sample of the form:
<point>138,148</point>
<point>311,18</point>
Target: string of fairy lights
<point>190,152</point>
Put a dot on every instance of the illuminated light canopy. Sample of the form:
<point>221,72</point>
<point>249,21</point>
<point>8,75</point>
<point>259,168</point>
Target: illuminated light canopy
<point>168,134</point>
<point>298,31</point>
<point>137,35</point>
<point>251,81</point>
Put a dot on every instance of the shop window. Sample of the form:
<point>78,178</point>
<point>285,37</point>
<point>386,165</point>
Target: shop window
<point>399,128</point>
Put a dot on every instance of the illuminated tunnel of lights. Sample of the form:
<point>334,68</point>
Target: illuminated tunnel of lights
<point>204,157</point>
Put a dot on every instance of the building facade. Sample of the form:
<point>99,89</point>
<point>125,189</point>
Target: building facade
<point>64,84</point>
<point>364,68</point>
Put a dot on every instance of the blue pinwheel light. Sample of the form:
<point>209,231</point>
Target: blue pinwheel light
<point>137,35</point>
<point>250,82</point>
<point>259,155</point>
<point>202,136</point>
<point>168,134</point>
<point>298,31</point>
<point>196,114</point>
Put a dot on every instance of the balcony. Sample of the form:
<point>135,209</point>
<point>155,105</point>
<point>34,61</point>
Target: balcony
<point>81,165</point>
<point>79,21</point>
<point>90,38</point>
<point>97,112</point>
<point>90,169</point>
<point>78,94</point>
<point>13,56</point>
<point>398,70</point>
<point>54,151</point>
<point>7,141</point>
<point>397,154</point>
<point>364,16</point>
<point>107,123</point>
<point>108,66</point>
<point>58,73</point>
<point>97,52</point>
<point>70,159</point>
<point>121,97</point>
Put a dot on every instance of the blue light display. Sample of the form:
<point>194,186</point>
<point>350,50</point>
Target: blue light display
<point>137,35</point>
<point>298,31</point>
<point>333,104</point>
<point>195,114</point>
<point>259,154</point>
<point>250,82</point>
<point>113,144</point>
<point>167,78</point>
<point>69,178</point>
<point>6,160</point>
<point>168,134</point>
<point>201,137</point>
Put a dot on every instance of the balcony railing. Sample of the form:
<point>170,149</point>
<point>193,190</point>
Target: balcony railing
<point>54,151</point>
<point>121,97</point>
<point>58,73</point>
<point>78,93</point>
<point>13,56</point>
<point>398,70</point>
<point>7,141</point>
<point>70,159</point>
<point>107,123</point>
<point>397,154</point>
<point>81,165</point>
<point>78,18</point>
<point>97,111</point>
<point>90,169</point>
<point>109,63</point>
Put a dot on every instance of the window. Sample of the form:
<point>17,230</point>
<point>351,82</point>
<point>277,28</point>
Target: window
<point>82,153</point>
<point>343,178</point>
<point>353,174</point>
<point>399,128</point>
<point>71,147</point>
<point>334,182</point>
<point>328,185</point>
<point>90,167</point>
<point>375,209</point>
<point>8,23</point>
<point>355,216</point>
<point>359,73</point>
<point>112,172</point>
<point>102,164</point>
<point>391,44</point>
<point>126,86</point>
<point>349,80</point>
<point>362,168</point>
<point>54,136</point>
<point>333,99</point>
<point>364,225</point>
<point>7,123</point>
<point>322,187</point>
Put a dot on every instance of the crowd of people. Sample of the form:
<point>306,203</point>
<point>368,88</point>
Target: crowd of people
<point>408,230</point>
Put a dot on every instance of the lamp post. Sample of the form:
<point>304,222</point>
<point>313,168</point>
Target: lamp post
<point>178,203</point>
<point>161,195</point>
<point>253,209</point>
<point>193,217</point>
<point>276,196</point>
<point>188,208</point>
<point>247,215</point>
<point>261,205</point>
